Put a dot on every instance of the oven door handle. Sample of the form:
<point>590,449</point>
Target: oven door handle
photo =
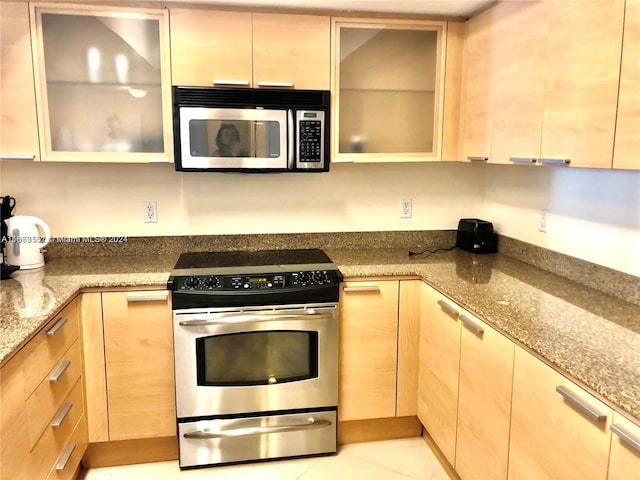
<point>247,431</point>
<point>234,319</point>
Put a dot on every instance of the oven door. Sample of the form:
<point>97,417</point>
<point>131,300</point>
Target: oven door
<point>222,139</point>
<point>255,359</point>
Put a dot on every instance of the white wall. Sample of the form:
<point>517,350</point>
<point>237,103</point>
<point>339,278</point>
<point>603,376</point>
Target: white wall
<point>98,199</point>
<point>593,214</point>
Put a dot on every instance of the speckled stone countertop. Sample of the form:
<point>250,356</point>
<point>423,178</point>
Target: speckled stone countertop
<point>591,336</point>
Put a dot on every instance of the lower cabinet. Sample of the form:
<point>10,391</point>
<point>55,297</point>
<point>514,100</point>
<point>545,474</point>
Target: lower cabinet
<point>378,349</point>
<point>624,460</point>
<point>439,369</point>
<point>368,339</point>
<point>130,390</point>
<point>558,431</point>
<point>484,401</point>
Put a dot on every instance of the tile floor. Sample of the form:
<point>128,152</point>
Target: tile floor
<point>403,459</point>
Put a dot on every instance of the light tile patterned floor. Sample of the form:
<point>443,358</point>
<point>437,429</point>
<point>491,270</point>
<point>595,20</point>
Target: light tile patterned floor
<point>403,459</point>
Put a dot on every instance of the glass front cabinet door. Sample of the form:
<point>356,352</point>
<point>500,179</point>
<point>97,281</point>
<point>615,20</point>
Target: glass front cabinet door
<point>103,84</point>
<point>388,90</point>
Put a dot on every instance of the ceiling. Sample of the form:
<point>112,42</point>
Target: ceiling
<point>455,8</point>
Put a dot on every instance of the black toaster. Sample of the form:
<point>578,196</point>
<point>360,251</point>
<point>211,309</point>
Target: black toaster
<point>475,235</point>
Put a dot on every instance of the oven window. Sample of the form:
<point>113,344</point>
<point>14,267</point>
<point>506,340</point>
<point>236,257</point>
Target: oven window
<point>257,358</point>
<point>234,138</point>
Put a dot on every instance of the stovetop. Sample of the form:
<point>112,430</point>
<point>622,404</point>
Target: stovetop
<point>263,258</point>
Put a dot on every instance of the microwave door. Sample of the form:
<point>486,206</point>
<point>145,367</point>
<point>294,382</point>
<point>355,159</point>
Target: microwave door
<point>220,139</point>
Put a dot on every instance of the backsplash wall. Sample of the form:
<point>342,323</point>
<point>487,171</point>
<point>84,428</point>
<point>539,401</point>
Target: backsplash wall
<point>593,215</point>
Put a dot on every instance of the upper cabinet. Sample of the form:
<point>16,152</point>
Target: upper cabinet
<point>221,48</point>
<point>388,87</point>
<point>18,124</point>
<point>103,83</point>
<point>627,143</point>
<point>548,77</point>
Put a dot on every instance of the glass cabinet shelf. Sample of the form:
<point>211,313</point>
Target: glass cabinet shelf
<point>387,85</point>
<point>104,83</point>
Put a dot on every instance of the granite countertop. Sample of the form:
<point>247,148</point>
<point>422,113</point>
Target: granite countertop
<point>591,336</point>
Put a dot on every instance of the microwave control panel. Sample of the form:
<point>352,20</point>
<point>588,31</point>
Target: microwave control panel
<point>310,134</point>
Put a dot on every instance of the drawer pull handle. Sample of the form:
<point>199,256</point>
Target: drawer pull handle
<point>57,373</point>
<point>471,325</point>
<point>626,436</point>
<point>580,404</point>
<point>61,414</point>
<point>364,288</point>
<point>522,159</point>
<point>276,84</point>
<point>237,83</point>
<point>52,331</point>
<point>478,158</point>
<point>555,161</point>
<point>161,297</point>
<point>448,309</point>
<point>64,458</point>
<point>17,157</point>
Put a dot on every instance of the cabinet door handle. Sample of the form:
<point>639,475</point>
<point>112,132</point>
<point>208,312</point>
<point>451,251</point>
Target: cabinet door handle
<point>276,84</point>
<point>479,158</point>
<point>237,83</point>
<point>17,157</point>
<point>451,311</point>
<point>522,159</point>
<point>590,411</point>
<point>53,330</point>
<point>61,414</point>
<point>626,436</point>
<point>64,458</point>
<point>471,325</point>
<point>158,297</point>
<point>555,161</point>
<point>57,373</point>
<point>363,288</point>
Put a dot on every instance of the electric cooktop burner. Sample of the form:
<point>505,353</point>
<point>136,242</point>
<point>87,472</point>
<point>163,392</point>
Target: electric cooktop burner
<point>264,258</point>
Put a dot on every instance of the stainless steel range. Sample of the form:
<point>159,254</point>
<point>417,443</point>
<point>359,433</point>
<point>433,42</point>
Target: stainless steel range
<point>256,355</point>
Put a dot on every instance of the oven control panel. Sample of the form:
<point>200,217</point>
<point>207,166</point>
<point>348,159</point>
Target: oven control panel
<point>226,283</point>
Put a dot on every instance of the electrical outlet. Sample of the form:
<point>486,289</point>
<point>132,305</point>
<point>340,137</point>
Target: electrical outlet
<point>543,221</point>
<point>405,208</point>
<point>150,212</point>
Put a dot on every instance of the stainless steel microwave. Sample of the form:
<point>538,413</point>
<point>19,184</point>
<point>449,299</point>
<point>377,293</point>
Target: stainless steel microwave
<point>251,130</point>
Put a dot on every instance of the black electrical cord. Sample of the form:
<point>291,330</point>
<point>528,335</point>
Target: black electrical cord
<point>441,249</point>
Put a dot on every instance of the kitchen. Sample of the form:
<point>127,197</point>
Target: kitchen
<point>588,214</point>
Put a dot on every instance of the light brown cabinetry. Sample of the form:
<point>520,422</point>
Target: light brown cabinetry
<point>581,88</point>
<point>211,47</point>
<point>484,401</point>
<point>14,431</point>
<point>103,84</point>
<point>558,430</point>
<point>627,142</point>
<point>624,459</point>
<point>388,89</point>
<point>138,344</point>
<point>43,423</point>
<point>541,83</point>
<point>439,369</point>
<point>368,339</point>
<point>18,124</point>
<point>478,88</point>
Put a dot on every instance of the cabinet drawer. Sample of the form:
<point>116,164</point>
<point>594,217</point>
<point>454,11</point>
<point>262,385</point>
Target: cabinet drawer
<point>55,438</point>
<point>49,395</point>
<point>71,454</point>
<point>43,352</point>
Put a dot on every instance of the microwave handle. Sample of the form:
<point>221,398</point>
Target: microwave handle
<point>290,141</point>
